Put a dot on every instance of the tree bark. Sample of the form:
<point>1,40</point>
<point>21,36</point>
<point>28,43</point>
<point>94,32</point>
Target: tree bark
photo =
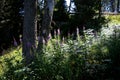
<point>46,22</point>
<point>118,5</point>
<point>29,30</point>
<point>100,8</point>
<point>112,2</point>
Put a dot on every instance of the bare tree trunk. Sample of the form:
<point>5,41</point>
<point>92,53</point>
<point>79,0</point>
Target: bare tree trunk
<point>46,22</point>
<point>112,2</point>
<point>100,8</point>
<point>29,30</point>
<point>118,5</point>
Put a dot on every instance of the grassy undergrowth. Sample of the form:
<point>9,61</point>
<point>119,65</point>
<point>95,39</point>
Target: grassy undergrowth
<point>94,56</point>
<point>12,55</point>
<point>113,19</point>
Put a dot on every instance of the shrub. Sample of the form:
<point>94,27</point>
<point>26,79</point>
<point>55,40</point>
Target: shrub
<point>92,56</point>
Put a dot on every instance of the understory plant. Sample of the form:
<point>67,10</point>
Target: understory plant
<point>91,56</point>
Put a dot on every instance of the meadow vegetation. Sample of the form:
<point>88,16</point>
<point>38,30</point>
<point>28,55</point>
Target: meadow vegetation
<point>91,56</point>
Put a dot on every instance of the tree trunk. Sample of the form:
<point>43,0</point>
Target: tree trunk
<point>112,5</point>
<point>118,5</point>
<point>46,22</point>
<point>100,8</point>
<point>29,30</point>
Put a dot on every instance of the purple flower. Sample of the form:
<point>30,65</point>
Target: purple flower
<point>55,32</point>
<point>20,38</point>
<point>38,38</point>
<point>77,31</point>
<point>83,27</point>
<point>44,42</point>
<point>49,36</point>
<point>15,42</point>
<point>41,39</point>
<point>58,31</point>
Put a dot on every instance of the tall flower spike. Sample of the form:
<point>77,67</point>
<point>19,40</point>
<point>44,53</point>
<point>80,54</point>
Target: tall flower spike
<point>83,28</point>
<point>49,37</point>
<point>77,31</point>
<point>43,41</point>
<point>58,31</point>
<point>20,38</point>
<point>63,40</point>
<point>55,32</point>
<point>15,42</point>
<point>38,38</point>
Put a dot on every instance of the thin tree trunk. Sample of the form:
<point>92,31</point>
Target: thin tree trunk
<point>29,30</point>
<point>100,8</point>
<point>112,5</point>
<point>46,22</point>
<point>118,5</point>
<point>47,18</point>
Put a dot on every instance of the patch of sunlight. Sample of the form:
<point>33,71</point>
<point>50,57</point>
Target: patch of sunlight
<point>113,19</point>
<point>12,55</point>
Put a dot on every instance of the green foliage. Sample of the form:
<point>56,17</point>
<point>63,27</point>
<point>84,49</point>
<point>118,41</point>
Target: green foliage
<point>113,19</point>
<point>60,12</point>
<point>114,46</point>
<point>9,60</point>
<point>10,22</point>
<point>88,14</point>
<point>91,56</point>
